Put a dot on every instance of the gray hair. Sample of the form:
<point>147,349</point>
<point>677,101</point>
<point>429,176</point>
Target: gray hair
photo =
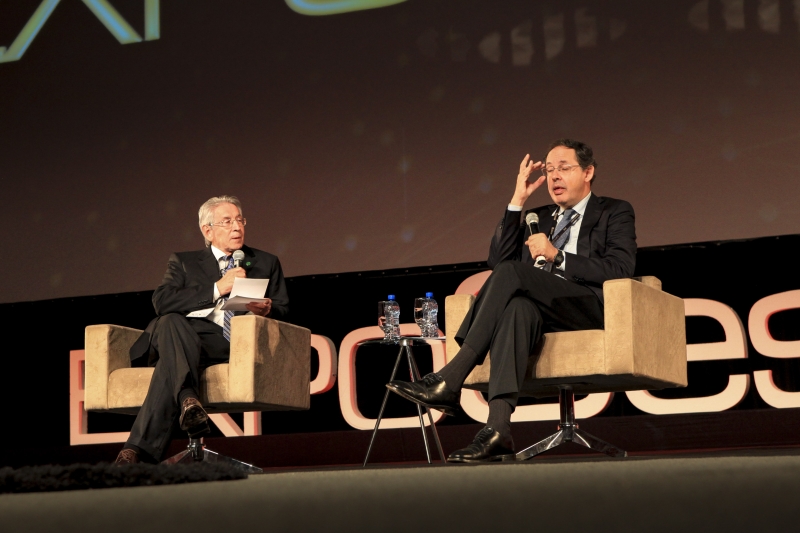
<point>206,212</point>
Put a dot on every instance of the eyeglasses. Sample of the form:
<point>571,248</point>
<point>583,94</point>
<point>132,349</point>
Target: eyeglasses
<point>562,169</point>
<point>227,222</point>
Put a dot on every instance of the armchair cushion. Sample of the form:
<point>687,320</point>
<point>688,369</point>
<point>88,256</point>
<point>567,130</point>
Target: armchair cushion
<point>643,345</point>
<point>269,369</point>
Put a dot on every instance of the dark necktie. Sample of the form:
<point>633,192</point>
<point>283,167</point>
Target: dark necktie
<point>561,239</point>
<point>560,235</point>
<point>226,318</point>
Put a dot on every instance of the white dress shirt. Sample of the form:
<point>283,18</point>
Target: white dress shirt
<point>571,246</point>
<point>217,316</point>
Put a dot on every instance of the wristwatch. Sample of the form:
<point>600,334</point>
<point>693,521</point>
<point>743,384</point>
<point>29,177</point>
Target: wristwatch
<point>558,259</point>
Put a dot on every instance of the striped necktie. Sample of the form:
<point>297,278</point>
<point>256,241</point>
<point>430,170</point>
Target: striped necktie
<point>226,319</point>
<point>561,236</point>
<point>561,239</point>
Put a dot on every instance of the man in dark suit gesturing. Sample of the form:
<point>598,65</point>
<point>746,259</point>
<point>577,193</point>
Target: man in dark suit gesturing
<point>191,331</point>
<point>550,280</point>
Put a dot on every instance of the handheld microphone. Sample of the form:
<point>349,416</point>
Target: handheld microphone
<point>532,220</point>
<point>238,257</point>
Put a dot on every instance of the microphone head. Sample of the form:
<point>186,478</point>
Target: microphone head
<point>531,218</point>
<point>238,257</point>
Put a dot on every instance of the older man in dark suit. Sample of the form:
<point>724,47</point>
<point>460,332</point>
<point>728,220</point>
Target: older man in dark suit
<point>546,281</point>
<point>191,331</point>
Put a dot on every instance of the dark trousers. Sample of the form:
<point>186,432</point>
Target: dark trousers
<point>517,304</point>
<point>184,346</point>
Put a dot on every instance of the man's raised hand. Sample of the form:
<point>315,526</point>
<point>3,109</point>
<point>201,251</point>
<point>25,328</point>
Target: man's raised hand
<point>524,187</point>
<point>225,284</point>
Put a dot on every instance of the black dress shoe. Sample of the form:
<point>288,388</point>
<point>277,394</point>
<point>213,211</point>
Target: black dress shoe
<point>431,392</point>
<point>194,419</point>
<point>486,447</point>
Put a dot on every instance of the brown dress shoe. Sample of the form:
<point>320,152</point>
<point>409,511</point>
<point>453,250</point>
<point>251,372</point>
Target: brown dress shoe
<point>127,457</point>
<point>194,419</point>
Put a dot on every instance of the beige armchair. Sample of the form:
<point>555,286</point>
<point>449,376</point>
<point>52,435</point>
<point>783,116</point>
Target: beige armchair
<point>269,369</point>
<point>642,347</point>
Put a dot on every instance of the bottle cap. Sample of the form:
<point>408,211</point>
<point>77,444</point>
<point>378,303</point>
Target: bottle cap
<point>391,296</point>
<point>428,295</point>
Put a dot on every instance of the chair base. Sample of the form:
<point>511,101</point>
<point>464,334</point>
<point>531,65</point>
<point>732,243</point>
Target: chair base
<point>568,432</point>
<point>196,452</point>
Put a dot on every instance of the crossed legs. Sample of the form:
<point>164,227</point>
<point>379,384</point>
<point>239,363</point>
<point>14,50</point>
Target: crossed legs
<point>181,353</point>
<point>515,307</point>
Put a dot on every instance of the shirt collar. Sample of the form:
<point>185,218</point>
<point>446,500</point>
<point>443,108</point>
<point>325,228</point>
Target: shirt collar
<point>580,207</point>
<point>219,254</point>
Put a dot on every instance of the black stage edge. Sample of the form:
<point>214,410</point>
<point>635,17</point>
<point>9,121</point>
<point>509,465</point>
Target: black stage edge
<point>35,397</point>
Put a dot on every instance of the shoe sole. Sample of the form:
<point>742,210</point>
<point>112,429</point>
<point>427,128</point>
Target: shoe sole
<point>198,430</point>
<point>193,417</point>
<point>446,409</point>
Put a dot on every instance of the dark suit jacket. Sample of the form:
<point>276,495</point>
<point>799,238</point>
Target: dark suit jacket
<point>606,242</point>
<point>188,285</point>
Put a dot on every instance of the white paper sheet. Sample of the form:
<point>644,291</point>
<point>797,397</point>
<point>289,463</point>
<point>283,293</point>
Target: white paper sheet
<point>245,291</point>
<point>202,313</point>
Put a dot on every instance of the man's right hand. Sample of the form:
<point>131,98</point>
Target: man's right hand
<point>524,187</point>
<point>225,284</point>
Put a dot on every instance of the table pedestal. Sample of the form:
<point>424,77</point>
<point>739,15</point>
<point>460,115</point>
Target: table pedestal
<point>405,344</point>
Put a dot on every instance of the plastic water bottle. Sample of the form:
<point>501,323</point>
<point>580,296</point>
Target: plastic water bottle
<point>431,313</point>
<point>391,313</point>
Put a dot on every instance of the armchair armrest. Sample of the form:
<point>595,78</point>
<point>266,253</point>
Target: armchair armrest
<point>456,307</point>
<point>645,331</point>
<point>270,363</point>
<point>106,348</point>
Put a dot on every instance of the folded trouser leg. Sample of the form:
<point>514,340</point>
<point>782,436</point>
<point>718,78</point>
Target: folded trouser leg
<point>179,348</point>
<point>554,304</point>
<point>518,331</point>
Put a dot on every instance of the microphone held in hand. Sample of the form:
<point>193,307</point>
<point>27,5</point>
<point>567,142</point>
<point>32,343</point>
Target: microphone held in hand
<point>238,257</point>
<point>532,220</point>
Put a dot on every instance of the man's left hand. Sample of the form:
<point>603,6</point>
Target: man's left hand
<point>539,244</point>
<point>260,308</point>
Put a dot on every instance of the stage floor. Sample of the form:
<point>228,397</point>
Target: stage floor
<point>747,491</point>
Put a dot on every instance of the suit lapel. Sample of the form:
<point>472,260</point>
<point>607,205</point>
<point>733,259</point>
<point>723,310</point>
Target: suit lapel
<point>209,264</point>
<point>547,220</point>
<point>249,258</point>
<point>594,208</point>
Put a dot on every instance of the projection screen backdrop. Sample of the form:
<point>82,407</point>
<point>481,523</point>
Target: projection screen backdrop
<point>371,134</point>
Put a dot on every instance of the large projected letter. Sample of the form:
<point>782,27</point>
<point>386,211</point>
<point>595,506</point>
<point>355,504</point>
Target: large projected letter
<point>332,7</point>
<point>763,341</point>
<point>78,421</point>
<point>109,16</point>
<point>348,400</point>
<point>29,32</point>
<point>326,376</point>
<point>733,347</point>
<point>152,20</point>
<point>477,408</point>
<point>113,21</point>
